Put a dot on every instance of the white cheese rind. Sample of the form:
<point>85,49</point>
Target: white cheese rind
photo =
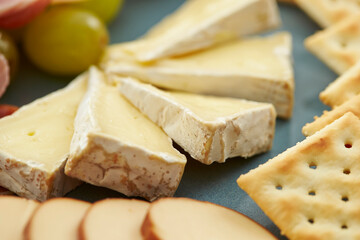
<point>105,160</point>
<point>260,83</point>
<point>199,24</point>
<point>243,134</point>
<point>31,179</point>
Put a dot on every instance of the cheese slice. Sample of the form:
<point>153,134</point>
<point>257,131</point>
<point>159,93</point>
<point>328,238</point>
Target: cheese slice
<point>35,142</point>
<point>339,45</point>
<point>114,219</point>
<point>15,214</point>
<point>256,69</point>
<point>199,24</point>
<point>117,147</point>
<point>185,218</point>
<point>56,219</point>
<point>210,129</point>
<point>329,12</point>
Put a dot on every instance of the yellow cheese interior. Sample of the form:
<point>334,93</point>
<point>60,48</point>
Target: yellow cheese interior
<point>260,56</point>
<point>252,56</point>
<point>210,108</point>
<point>41,132</point>
<point>193,13</point>
<point>118,118</point>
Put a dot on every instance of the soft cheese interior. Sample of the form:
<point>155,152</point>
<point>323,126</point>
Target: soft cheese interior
<point>118,118</point>
<point>35,142</point>
<point>199,24</point>
<point>115,146</point>
<point>210,129</point>
<point>211,108</point>
<point>257,69</point>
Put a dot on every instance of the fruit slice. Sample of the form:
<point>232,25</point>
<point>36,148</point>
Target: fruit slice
<point>200,24</point>
<point>6,110</point>
<point>183,218</point>
<point>35,142</point>
<point>16,13</point>
<point>57,218</point>
<point>15,214</point>
<point>117,147</point>
<point>114,219</point>
<point>211,129</point>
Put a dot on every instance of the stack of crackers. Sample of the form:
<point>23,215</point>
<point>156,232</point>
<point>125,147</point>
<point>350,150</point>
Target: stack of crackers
<point>310,191</point>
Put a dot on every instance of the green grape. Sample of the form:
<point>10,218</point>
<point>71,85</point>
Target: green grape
<point>9,50</point>
<point>105,9</point>
<point>65,40</point>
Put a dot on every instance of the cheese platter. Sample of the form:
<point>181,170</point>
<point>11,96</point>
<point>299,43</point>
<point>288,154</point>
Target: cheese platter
<point>216,182</point>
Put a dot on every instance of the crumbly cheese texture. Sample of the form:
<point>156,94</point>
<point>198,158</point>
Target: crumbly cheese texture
<point>352,105</point>
<point>210,129</point>
<point>329,12</point>
<point>117,147</point>
<point>343,88</point>
<point>199,24</point>
<point>339,45</point>
<point>35,142</point>
<point>257,69</point>
<point>311,190</point>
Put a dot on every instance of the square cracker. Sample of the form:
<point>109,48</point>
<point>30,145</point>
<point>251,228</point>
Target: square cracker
<point>311,191</point>
<point>343,88</point>
<point>352,105</point>
<point>329,12</point>
<point>339,45</point>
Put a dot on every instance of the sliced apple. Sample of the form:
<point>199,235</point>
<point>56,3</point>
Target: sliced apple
<point>183,218</point>
<point>15,214</point>
<point>58,218</point>
<point>114,219</point>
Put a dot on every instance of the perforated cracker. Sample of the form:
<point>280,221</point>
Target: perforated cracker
<point>329,12</point>
<point>339,45</point>
<point>312,190</point>
<point>352,105</point>
<point>343,88</point>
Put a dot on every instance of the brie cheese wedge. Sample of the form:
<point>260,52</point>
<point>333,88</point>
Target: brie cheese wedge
<point>210,129</point>
<point>199,24</point>
<point>117,147</point>
<point>257,69</point>
<point>35,142</point>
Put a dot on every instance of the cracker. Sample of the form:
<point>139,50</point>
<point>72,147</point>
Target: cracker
<point>328,12</point>
<point>337,46</point>
<point>311,191</point>
<point>343,88</point>
<point>352,105</point>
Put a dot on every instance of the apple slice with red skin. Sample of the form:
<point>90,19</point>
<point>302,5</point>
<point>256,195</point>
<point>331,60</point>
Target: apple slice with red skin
<point>184,218</point>
<point>17,13</point>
